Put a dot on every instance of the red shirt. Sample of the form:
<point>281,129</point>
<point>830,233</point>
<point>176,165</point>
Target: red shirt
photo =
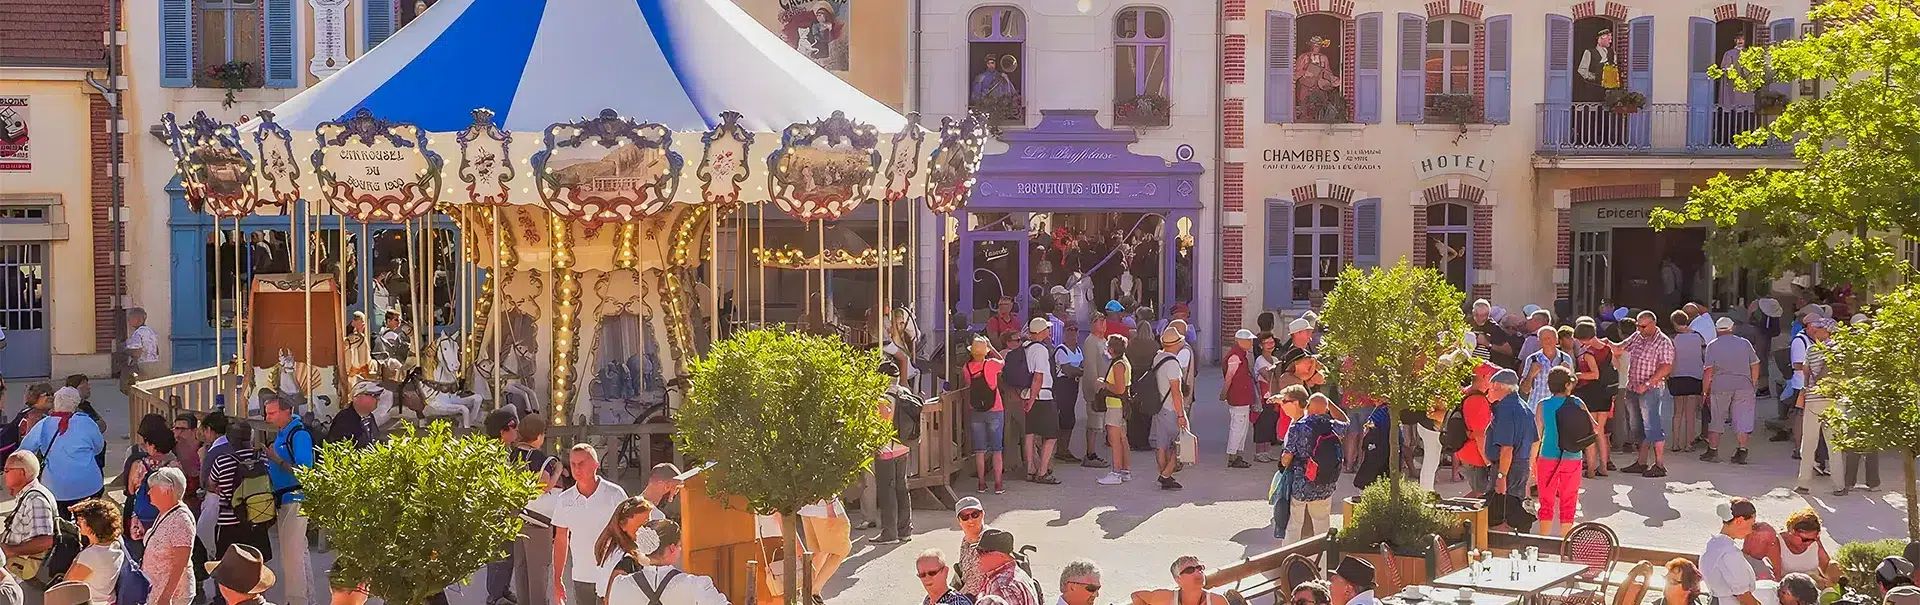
<point>998,326</point>
<point>1479,415</point>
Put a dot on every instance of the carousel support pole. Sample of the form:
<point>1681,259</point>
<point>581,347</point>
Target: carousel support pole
<point>499,331</point>
<point>429,288</point>
<point>826,305</point>
<point>713,277</point>
<point>378,316</point>
<point>219,379</point>
<point>761,266</point>
<point>306,298</point>
<point>243,374</point>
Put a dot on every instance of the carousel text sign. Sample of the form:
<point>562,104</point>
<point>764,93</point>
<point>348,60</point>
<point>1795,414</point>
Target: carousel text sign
<point>1316,158</point>
<point>379,170</point>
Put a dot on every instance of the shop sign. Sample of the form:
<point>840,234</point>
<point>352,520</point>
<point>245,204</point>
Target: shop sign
<point>1069,154</point>
<point>1320,159</point>
<point>14,156</point>
<point>1453,164</point>
<point>329,37</point>
<point>1619,213</point>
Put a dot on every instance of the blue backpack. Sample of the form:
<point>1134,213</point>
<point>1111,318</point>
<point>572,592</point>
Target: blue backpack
<point>1015,373</point>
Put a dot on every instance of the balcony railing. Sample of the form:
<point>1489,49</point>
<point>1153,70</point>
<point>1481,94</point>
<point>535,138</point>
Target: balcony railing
<point>1657,129</point>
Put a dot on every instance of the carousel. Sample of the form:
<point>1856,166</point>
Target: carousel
<point>610,169</point>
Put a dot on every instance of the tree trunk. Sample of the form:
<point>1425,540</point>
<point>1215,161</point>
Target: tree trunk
<point>1393,456</point>
<point>790,565</point>
<point>1913,503</point>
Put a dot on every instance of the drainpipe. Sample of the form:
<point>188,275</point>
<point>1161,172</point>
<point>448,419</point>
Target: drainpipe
<point>1219,165</point>
<point>116,155</point>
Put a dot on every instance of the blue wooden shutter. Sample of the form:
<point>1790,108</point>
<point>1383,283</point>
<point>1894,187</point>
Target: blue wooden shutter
<point>1366,233</point>
<point>1557,112</point>
<point>176,43</point>
<point>1640,78</point>
<point>1499,97</point>
<point>378,20</point>
<point>1700,40</point>
<point>282,44</point>
<point>1366,81</point>
<point>1781,30</point>
<point>1279,253</point>
<point>1279,67</point>
<point>1410,86</point>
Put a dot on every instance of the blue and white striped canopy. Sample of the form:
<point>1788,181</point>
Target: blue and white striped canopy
<point>680,63</point>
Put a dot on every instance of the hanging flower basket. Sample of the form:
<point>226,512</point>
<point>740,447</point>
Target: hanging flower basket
<point>1002,109</point>
<point>1453,109</point>
<point>1625,102</point>
<point>1143,110</point>
<point>232,76</point>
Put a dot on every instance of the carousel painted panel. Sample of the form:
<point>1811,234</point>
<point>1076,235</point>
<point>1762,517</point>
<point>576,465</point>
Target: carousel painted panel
<point>295,339</point>
<point>607,169</point>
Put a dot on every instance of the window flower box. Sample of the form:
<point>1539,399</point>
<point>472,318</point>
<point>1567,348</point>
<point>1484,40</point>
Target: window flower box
<point>1143,110</point>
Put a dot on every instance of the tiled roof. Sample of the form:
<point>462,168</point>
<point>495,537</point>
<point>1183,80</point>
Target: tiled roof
<point>64,33</point>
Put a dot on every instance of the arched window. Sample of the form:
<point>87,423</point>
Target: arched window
<point>996,59</point>
<point>1449,61</point>
<point>1449,243</point>
<point>1316,249</point>
<point>1141,62</point>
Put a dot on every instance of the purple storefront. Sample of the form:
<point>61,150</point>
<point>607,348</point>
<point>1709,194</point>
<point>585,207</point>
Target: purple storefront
<point>1070,207</point>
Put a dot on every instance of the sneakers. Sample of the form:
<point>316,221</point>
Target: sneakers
<point>1169,484</point>
<point>1238,462</point>
<point>1634,469</point>
<point>1712,455</point>
<point>1112,478</point>
<point>1656,472</point>
<point>1094,462</point>
<point>1126,475</point>
<point>1265,458</point>
<point>1740,456</point>
<point>982,489</point>
<point>1047,479</point>
<point>1822,471</point>
<point>999,488</point>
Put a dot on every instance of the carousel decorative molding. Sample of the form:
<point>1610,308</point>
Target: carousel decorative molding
<point>955,163</point>
<point>216,171</point>
<point>278,175</point>
<point>374,170</point>
<point>724,169</point>
<point>607,169</point>
<point>484,163</point>
<point>823,169</point>
<point>903,159</point>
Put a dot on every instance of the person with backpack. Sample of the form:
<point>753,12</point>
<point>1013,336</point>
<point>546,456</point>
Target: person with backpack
<point>38,403</point>
<point>1167,404</point>
<point>890,477</point>
<point>69,445</point>
<point>1510,440</point>
<point>1598,379</point>
<point>1113,409</point>
<point>292,448</point>
<point>659,581</point>
<point>1313,455</point>
<point>1566,429</point>
<point>1013,359</point>
<point>533,551</point>
<point>32,531</point>
<point>1003,570</point>
<point>1030,368</point>
<point>1463,434</point>
<point>986,413</point>
<point>241,488</point>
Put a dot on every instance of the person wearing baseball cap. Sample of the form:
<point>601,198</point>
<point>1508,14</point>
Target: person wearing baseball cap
<point>1003,576</point>
<point>1723,567</point>
<point>973,526</point>
<point>1893,572</point>
<point>1042,417</point>
<point>1730,372</point>
<point>1814,431</point>
<point>1170,377</point>
<point>1509,450</point>
<point>1239,393</point>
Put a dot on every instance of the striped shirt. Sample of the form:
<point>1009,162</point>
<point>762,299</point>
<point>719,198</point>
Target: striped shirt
<point>226,478</point>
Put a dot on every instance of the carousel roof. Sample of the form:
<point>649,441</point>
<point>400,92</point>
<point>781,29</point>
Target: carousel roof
<point>681,63</point>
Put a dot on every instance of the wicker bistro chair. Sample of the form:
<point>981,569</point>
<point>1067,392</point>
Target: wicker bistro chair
<point>1633,588</point>
<point>1391,581</point>
<point>1443,564</point>
<point>1297,569</point>
<point>1595,546</point>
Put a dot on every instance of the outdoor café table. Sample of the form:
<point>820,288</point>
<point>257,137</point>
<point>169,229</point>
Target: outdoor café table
<point>1546,574</point>
<point>1447,596</point>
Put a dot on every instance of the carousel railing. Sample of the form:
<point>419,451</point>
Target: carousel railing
<point>937,453</point>
<point>192,391</point>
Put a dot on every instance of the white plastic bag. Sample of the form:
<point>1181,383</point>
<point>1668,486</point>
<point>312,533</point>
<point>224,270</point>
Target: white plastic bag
<point>1189,447</point>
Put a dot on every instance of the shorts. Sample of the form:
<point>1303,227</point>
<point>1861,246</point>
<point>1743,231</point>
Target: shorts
<point>1116,412</point>
<point>1682,386</point>
<point>1731,408</point>
<point>1599,399</point>
<point>1476,477</point>
<point>1165,431</point>
<point>1655,406</point>
<point>1043,420</point>
<point>989,431</point>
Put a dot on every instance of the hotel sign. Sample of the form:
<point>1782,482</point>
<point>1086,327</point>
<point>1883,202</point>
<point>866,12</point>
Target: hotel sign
<point>1452,164</point>
<point>1320,159</point>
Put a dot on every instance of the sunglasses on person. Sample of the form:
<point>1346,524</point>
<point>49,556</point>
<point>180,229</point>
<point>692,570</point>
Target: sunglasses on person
<point>970,515</point>
<point>932,572</point>
<point>1192,569</point>
<point>1090,588</point>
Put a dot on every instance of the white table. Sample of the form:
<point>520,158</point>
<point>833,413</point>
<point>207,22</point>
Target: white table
<point>1544,575</point>
<point>1448,596</point>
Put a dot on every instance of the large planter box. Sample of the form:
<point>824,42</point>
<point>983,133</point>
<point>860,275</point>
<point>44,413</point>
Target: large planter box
<point>1416,566</point>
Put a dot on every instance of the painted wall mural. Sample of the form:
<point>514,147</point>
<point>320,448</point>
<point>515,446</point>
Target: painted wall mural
<point>818,29</point>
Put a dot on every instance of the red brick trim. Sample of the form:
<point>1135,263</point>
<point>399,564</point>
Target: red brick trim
<point>1236,10</point>
<point>1599,193</point>
<point>1347,235</point>
<point>1617,11</point>
<point>1233,60</point>
<point>1349,53</point>
<point>1439,8</point>
<point>1233,121</point>
<point>1337,193</point>
<point>1758,13</point>
<point>1341,8</point>
<point>1731,10</point>
<point>1563,249</point>
<point>1479,59</point>
<point>1471,9</point>
<point>1583,10</point>
<point>100,207</point>
<point>1233,252</point>
<point>1482,291</point>
<point>1470,194</point>
<point>1233,187</point>
<point>1233,314</point>
<point>1419,256</point>
<point>1482,238</point>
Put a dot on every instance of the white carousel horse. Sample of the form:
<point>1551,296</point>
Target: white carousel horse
<point>439,396</point>
<point>517,394</point>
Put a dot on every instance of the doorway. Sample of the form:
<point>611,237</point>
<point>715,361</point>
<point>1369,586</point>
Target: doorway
<point>23,311</point>
<point>1659,270</point>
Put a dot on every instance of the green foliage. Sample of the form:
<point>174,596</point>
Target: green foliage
<point>1858,560</point>
<point>1859,142</point>
<point>1384,326</point>
<point>416,512</point>
<point>790,419</point>
<point>1876,377</point>
<point>1404,522</point>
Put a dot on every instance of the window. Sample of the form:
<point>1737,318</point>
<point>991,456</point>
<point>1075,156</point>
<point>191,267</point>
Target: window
<point>1599,67</point>
<point>232,261</point>
<point>325,244</point>
<point>230,45</point>
<point>23,214</point>
<point>996,53</point>
<point>1316,249</point>
<point>411,9</point>
<point>1318,68</point>
<point>1449,225</point>
<point>1449,61</point>
<point>1140,64</point>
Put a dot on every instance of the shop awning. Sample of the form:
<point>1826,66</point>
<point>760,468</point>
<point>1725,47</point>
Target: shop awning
<point>1070,162</point>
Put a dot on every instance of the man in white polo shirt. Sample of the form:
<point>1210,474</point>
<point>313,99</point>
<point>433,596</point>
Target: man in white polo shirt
<point>1723,568</point>
<point>582,513</point>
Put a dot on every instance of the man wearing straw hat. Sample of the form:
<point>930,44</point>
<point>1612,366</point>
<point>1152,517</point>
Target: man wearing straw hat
<point>242,576</point>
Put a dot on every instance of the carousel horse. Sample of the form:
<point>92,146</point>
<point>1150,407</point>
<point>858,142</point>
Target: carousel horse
<point>515,393</point>
<point>440,396</point>
<point>290,379</point>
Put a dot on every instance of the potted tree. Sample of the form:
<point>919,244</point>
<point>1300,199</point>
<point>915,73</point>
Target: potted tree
<point>1406,524</point>
<point>1859,560</point>
<point>790,418</point>
<point>417,512</point>
<point>1395,335</point>
<point>1876,379</point>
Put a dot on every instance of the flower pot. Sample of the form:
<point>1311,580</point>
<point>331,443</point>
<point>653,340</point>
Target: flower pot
<point>1625,110</point>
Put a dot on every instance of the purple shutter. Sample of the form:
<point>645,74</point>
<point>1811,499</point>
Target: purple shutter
<point>1640,78</point>
<point>1366,233</point>
<point>1700,40</point>
<point>1556,114</point>
<point>1279,278</point>
<point>1410,86</point>
<point>1279,67</point>
<point>1499,97</point>
<point>1782,31</point>
<point>1366,81</point>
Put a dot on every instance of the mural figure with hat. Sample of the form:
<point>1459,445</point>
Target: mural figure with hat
<point>817,28</point>
<point>993,81</point>
<point>1189,578</point>
<point>1317,84</point>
